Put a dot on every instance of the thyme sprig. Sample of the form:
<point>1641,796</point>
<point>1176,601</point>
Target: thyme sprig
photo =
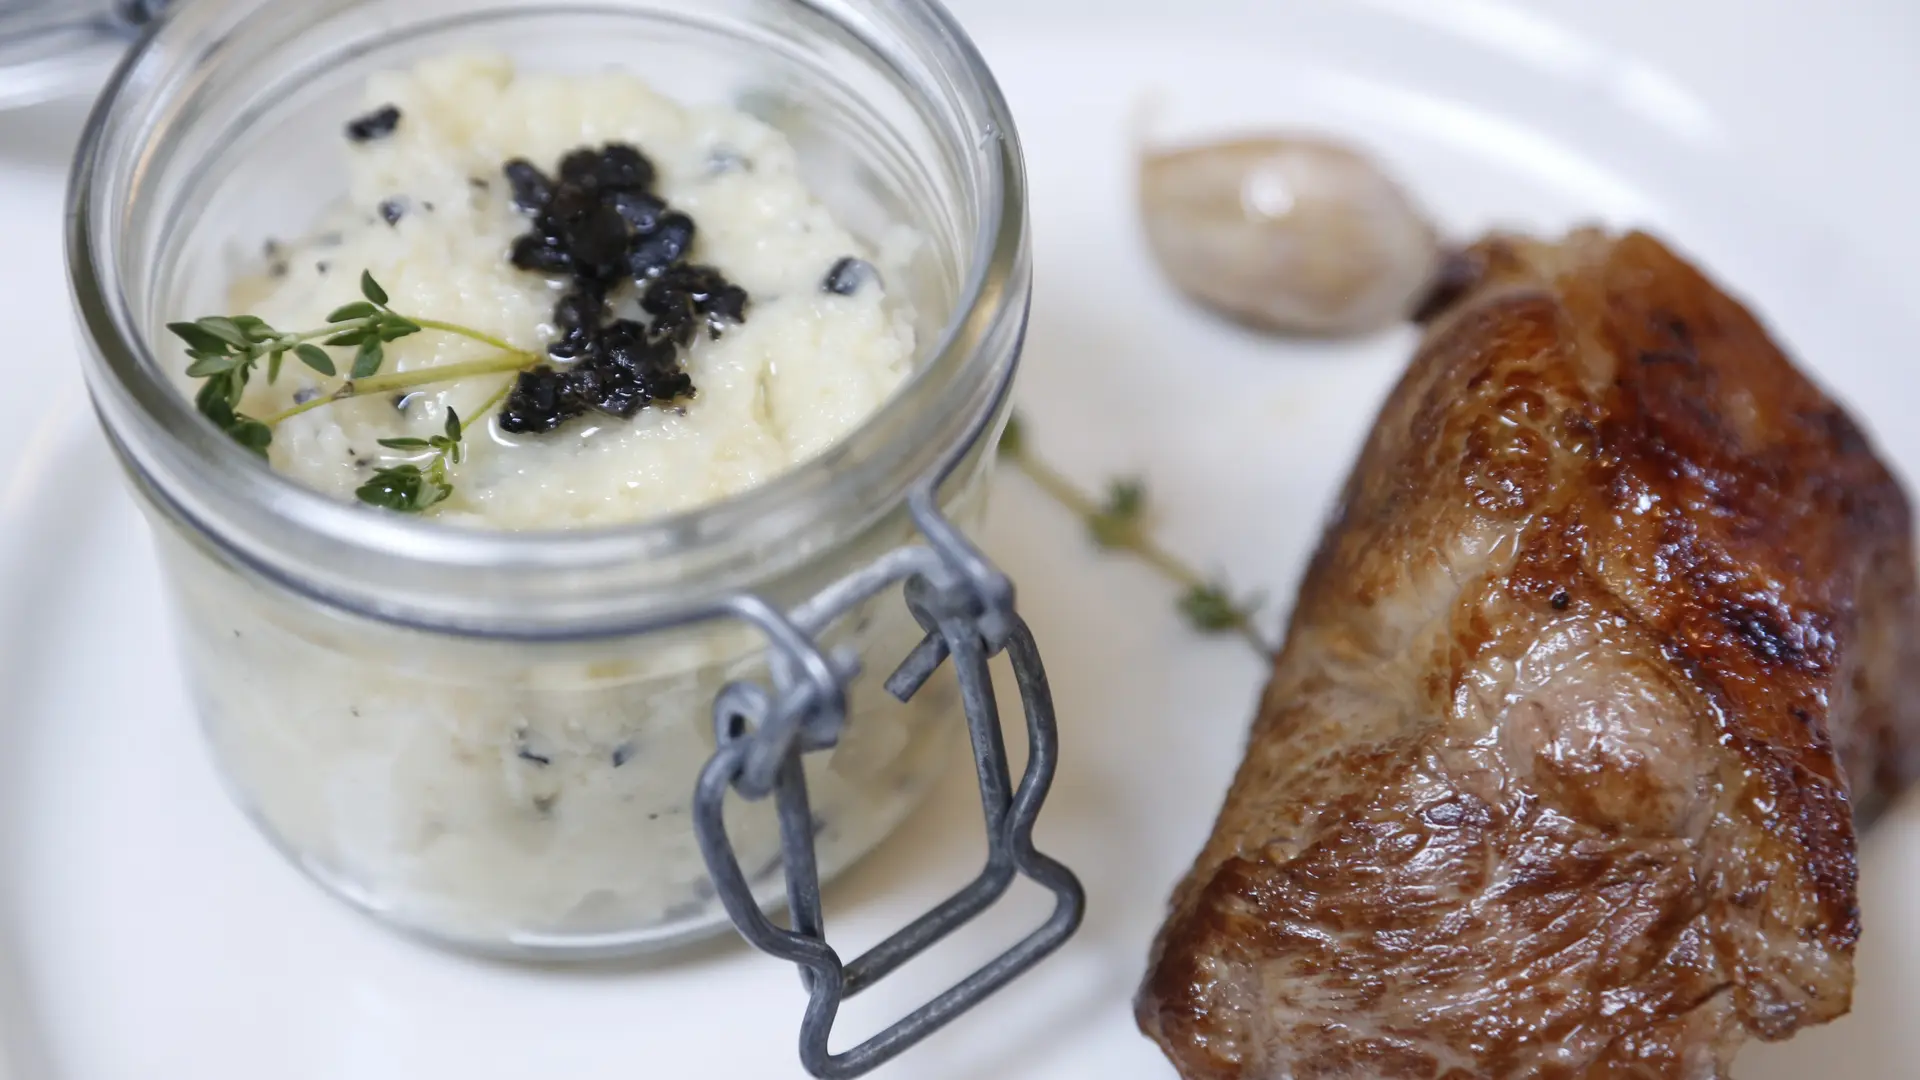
<point>407,487</point>
<point>226,350</point>
<point>1118,522</point>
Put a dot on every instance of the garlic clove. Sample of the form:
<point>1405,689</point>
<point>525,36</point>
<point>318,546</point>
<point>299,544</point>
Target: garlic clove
<point>1290,234</point>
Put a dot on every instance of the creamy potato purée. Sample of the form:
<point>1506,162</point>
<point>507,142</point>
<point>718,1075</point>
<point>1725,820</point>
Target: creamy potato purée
<point>805,367</point>
<point>492,792</point>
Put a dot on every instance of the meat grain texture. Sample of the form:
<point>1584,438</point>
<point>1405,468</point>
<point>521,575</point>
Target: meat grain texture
<point>1607,654</point>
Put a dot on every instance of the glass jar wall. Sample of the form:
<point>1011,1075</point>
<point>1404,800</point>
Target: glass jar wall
<point>484,737</point>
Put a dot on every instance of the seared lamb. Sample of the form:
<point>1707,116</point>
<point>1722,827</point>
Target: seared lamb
<point>1608,652</point>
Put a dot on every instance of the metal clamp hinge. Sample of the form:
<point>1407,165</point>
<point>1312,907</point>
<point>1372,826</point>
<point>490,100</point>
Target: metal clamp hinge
<point>965,606</point>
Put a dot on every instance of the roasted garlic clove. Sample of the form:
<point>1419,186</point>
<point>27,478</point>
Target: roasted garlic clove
<point>1295,235</point>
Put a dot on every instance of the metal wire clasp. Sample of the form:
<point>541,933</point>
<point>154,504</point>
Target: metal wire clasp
<point>138,12</point>
<point>966,607</point>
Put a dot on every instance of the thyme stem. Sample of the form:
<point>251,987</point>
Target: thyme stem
<point>470,333</point>
<point>514,360</point>
<point>1123,531</point>
<point>406,380</point>
<point>499,396</point>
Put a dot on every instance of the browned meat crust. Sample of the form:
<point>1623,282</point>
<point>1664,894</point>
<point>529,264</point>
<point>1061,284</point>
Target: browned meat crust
<point>1610,644</point>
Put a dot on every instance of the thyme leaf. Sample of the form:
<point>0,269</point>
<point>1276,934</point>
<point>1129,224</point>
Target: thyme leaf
<point>408,488</point>
<point>316,358</point>
<point>371,289</point>
<point>1119,520</point>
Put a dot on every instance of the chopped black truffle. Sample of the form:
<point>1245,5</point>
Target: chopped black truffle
<point>589,229</point>
<point>539,402</point>
<point>684,297</point>
<point>597,223</point>
<point>848,276</point>
<point>577,316</point>
<point>614,167</point>
<point>377,124</point>
<point>639,209</point>
<point>667,244</point>
<point>623,371</point>
<point>541,254</point>
<point>392,210</point>
<point>629,370</point>
<point>531,188</point>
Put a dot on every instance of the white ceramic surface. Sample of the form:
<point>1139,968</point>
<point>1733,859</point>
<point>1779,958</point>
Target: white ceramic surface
<point>147,932</point>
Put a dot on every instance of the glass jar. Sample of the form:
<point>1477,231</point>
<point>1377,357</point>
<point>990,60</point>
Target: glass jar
<point>489,739</point>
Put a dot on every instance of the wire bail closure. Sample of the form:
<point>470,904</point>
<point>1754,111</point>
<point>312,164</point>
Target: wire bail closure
<point>965,605</point>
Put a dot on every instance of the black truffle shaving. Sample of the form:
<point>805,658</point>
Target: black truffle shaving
<point>392,210</point>
<point>666,244</point>
<point>848,276</point>
<point>531,188</point>
<point>377,124</point>
<point>614,167</point>
<point>588,228</point>
<point>623,168</point>
<point>541,254</point>
<point>639,209</point>
<point>540,402</point>
<point>577,317</point>
<point>628,371</point>
<point>685,297</point>
<point>599,223</point>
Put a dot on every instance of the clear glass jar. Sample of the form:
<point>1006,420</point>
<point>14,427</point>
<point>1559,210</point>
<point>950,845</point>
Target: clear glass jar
<point>471,734</point>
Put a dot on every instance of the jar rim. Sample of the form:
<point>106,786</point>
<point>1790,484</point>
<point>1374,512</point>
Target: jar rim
<point>737,542</point>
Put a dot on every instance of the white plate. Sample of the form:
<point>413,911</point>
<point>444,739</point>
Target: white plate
<point>146,931</point>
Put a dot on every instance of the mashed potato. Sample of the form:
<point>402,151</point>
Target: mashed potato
<point>807,365</point>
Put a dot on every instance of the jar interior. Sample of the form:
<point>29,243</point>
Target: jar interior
<point>255,151</point>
